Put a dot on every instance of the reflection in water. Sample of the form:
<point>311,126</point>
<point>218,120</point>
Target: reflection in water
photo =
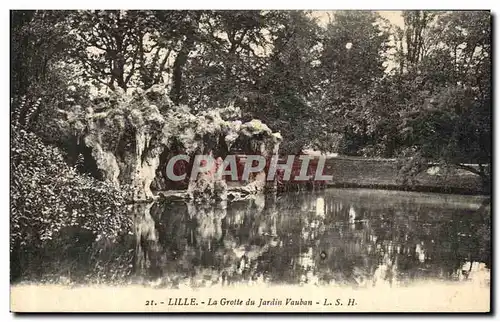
<point>147,249</point>
<point>337,237</point>
<point>361,238</point>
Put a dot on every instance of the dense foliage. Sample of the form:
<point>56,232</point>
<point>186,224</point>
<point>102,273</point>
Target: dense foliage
<point>355,85</point>
<point>47,196</point>
<point>333,87</point>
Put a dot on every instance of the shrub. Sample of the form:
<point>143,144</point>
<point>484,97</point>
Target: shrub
<point>47,195</point>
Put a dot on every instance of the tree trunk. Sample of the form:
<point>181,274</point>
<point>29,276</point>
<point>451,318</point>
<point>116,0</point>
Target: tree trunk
<point>177,88</point>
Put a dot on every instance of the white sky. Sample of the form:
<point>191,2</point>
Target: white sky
<point>394,16</point>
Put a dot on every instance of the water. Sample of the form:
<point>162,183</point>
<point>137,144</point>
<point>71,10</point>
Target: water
<point>351,237</point>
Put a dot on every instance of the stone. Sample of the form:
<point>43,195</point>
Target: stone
<point>129,133</point>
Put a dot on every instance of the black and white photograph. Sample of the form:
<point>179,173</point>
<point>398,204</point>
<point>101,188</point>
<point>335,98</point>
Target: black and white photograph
<point>293,161</point>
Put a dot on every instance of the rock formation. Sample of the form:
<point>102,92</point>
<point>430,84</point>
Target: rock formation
<point>126,138</point>
<point>127,134</point>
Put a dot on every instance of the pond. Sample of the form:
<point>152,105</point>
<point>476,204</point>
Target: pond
<point>349,237</point>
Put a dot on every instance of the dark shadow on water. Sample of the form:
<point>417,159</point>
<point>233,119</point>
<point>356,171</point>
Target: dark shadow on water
<point>336,237</point>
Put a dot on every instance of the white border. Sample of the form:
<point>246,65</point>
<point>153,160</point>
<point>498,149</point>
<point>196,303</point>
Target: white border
<point>256,4</point>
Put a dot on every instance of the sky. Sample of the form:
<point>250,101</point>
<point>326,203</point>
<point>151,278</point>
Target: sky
<point>394,17</point>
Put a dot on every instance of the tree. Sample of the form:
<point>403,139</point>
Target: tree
<point>41,81</point>
<point>283,95</point>
<point>110,45</point>
<point>414,39</point>
<point>352,64</point>
<point>38,40</point>
<point>447,117</point>
<point>229,58</point>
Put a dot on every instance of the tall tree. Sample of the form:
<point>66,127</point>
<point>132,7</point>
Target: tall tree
<point>288,88</point>
<point>229,56</point>
<point>38,40</point>
<point>446,115</point>
<point>352,64</point>
<point>110,45</point>
<point>414,39</point>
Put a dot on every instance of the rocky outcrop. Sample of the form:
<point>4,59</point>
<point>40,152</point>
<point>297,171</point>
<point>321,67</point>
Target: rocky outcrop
<point>258,139</point>
<point>261,141</point>
<point>127,134</point>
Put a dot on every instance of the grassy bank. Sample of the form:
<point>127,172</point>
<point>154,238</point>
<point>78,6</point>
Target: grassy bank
<point>354,172</point>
